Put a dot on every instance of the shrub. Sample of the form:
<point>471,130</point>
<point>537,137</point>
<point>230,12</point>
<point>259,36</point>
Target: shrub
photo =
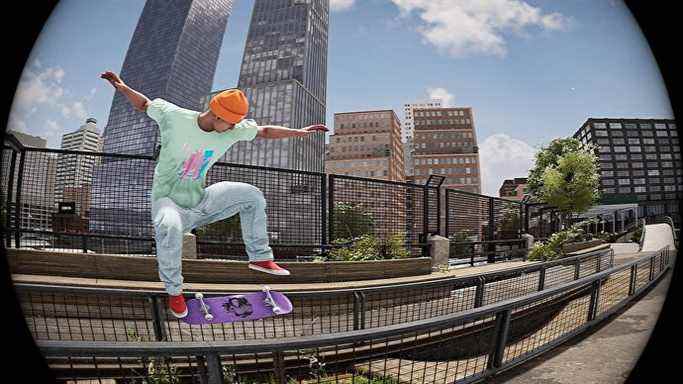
<point>552,248</point>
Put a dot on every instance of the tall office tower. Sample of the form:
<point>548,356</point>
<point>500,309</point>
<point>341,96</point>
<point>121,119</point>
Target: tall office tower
<point>445,143</point>
<point>408,124</point>
<point>37,184</point>
<point>366,144</point>
<point>640,162</point>
<point>284,75</point>
<point>172,55</point>
<point>75,171</point>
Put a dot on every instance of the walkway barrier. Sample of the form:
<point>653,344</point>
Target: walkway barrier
<point>90,314</point>
<point>435,350</point>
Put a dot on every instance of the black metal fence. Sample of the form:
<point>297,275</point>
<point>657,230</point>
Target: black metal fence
<point>85,314</point>
<point>456,347</point>
<point>98,202</point>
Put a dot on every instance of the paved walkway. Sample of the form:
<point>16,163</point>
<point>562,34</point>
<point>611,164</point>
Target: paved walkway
<point>605,355</point>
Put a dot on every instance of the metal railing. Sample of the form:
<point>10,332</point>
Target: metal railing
<point>78,201</point>
<point>93,314</point>
<point>460,347</point>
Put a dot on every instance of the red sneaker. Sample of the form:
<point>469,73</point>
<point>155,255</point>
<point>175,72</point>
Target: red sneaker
<point>177,306</point>
<point>268,266</point>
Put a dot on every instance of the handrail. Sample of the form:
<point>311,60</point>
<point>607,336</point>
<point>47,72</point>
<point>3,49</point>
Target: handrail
<point>61,348</point>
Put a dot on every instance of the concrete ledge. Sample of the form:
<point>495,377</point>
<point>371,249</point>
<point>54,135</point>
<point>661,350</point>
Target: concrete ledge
<point>144,268</point>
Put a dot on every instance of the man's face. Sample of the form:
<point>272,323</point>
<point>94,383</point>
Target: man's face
<point>221,126</point>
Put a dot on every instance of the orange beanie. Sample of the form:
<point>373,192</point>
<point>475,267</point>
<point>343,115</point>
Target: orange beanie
<point>230,105</point>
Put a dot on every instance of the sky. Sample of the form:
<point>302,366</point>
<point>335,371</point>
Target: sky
<point>530,70</point>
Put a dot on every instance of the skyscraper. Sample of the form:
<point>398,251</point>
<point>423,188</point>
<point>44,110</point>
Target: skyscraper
<point>74,172</point>
<point>284,75</point>
<point>640,162</point>
<point>172,55</point>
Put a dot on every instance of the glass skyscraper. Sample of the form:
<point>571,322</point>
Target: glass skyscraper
<point>172,55</point>
<point>284,75</point>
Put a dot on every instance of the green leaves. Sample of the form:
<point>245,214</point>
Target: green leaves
<point>566,176</point>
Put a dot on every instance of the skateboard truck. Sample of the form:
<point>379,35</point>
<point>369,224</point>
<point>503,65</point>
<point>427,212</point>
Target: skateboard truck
<point>269,301</point>
<point>205,309</point>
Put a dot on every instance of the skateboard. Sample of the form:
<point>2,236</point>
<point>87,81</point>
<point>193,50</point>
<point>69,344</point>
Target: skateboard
<point>233,308</point>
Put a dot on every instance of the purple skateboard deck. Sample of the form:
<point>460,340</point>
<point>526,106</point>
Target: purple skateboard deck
<point>233,308</point>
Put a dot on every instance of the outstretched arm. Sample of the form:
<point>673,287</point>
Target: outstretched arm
<point>136,98</point>
<point>278,132</point>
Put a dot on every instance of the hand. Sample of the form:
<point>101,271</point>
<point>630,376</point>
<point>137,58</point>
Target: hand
<point>315,128</point>
<point>113,79</point>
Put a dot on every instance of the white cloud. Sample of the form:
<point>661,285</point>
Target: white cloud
<point>441,93</point>
<point>16,124</point>
<point>503,157</point>
<point>75,109</point>
<point>340,5</point>
<point>52,129</point>
<point>462,27</point>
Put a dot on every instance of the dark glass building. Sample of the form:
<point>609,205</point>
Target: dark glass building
<point>640,162</point>
<point>284,75</point>
<point>172,55</point>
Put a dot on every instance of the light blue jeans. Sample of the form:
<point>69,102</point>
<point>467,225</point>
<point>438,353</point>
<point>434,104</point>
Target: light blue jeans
<point>221,201</point>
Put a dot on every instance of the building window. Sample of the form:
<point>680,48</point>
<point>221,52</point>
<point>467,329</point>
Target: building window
<point>653,172</point>
<point>600,133</point>
<point>615,125</point>
<point>599,125</point>
<point>619,149</point>
<point>639,189</point>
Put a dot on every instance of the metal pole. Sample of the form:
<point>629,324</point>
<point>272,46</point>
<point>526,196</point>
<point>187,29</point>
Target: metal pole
<point>447,213</point>
<point>499,339</point>
<point>595,296</point>
<point>541,279</point>
<point>330,210</point>
<point>10,186</point>
<point>323,211</point>
<point>17,210</point>
<point>214,368</point>
<point>491,248</point>
<point>479,293</point>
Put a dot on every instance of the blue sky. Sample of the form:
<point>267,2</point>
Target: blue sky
<point>531,70</point>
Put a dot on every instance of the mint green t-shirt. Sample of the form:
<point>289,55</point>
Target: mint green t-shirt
<point>187,151</point>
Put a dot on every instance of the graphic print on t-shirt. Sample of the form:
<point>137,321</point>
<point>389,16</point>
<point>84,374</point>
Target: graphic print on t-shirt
<point>195,164</point>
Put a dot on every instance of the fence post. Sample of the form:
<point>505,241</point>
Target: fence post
<point>362,310</point>
<point>595,296</point>
<point>541,279</point>
<point>491,248</point>
<point>577,269</point>
<point>214,368</point>
<point>10,186</point>
<point>279,367</point>
<point>356,313</point>
<point>330,209</point>
<point>323,211</point>
<point>438,210</point>
<point>159,332</point>
<point>526,218</point>
<point>598,263</point>
<point>499,339</point>
<point>447,214</point>
<point>652,268</point>
<point>632,280</point>
<point>17,208</point>
<point>479,293</point>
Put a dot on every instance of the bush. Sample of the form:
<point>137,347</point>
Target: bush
<point>552,248</point>
<point>367,247</point>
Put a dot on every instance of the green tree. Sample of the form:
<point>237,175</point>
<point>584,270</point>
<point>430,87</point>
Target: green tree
<point>565,175</point>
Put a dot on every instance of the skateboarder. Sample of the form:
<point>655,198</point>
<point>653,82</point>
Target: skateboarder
<point>191,142</point>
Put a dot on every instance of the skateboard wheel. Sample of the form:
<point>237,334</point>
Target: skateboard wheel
<point>208,317</point>
<point>198,295</point>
